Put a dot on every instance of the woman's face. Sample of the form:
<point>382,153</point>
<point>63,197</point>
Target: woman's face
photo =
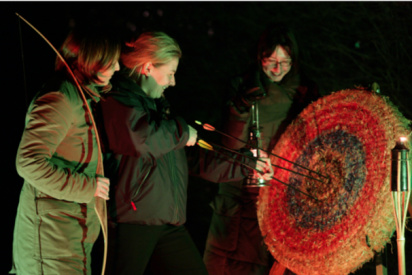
<point>105,75</point>
<point>277,65</point>
<point>160,78</point>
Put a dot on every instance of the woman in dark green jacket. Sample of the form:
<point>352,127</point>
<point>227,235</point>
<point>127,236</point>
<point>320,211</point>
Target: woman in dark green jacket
<point>56,224</point>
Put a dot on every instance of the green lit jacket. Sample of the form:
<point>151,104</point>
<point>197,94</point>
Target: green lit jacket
<point>57,158</point>
<point>58,153</point>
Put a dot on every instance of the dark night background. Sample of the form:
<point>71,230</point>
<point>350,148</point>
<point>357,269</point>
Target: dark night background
<point>342,45</point>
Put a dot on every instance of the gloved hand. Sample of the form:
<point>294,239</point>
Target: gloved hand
<point>250,91</point>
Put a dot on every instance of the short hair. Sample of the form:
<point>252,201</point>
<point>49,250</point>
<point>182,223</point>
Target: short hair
<point>277,34</point>
<point>156,47</point>
<point>87,52</point>
<point>274,35</point>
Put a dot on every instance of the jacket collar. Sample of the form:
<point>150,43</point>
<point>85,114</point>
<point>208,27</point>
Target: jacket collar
<point>128,92</point>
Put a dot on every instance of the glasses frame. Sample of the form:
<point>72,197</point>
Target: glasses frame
<point>284,64</point>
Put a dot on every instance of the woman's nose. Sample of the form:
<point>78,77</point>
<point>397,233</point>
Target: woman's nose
<point>172,81</point>
<point>276,68</point>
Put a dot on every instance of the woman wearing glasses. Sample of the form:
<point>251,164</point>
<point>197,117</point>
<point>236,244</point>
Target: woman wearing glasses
<point>235,244</point>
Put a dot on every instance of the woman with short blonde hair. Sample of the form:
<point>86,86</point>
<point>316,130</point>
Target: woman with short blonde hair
<point>146,149</point>
<point>157,47</point>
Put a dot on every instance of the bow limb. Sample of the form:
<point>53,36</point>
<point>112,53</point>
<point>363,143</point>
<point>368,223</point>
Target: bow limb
<point>100,204</point>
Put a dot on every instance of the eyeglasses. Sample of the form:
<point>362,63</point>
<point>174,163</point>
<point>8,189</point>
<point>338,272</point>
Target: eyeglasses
<point>285,64</point>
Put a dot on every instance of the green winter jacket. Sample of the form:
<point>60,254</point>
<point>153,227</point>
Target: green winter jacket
<point>56,225</point>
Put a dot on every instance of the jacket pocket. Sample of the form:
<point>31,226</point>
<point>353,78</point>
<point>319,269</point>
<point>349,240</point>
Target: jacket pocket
<point>140,183</point>
<point>61,228</point>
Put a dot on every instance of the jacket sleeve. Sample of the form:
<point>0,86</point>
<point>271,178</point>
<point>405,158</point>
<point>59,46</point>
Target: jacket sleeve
<point>238,121</point>
<point>132,131</point>
<point>47,123</point>
<point>237,125</point>
<point>219,165</point>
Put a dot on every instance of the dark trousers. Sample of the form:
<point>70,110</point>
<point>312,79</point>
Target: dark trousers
<point>144,249</point>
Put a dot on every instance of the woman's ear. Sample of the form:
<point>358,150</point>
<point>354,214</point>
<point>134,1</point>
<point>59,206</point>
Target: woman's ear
<point>147,67</point>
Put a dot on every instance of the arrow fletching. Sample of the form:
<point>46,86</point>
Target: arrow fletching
<point>203,144</point>
<point>208,127</point>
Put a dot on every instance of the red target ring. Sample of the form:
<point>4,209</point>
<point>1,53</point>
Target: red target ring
<point>347,137</point>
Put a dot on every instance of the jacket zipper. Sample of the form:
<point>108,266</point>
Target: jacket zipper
<point>138,190</point>
<point>176,206</point>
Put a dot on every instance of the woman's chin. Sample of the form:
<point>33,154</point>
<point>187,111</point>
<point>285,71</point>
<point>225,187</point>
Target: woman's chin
<point>277,78</point>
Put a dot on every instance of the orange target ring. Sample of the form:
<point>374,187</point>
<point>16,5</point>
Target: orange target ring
<point>347,137</point>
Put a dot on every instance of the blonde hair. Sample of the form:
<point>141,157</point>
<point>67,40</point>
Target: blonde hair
<point>155,47</point>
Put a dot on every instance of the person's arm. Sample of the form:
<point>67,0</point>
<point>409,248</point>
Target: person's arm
<point>237,127</point>
<point>217,167</point>
<point>134,132</point>
<point>223,166</point>
<point>244,92</point>
<point>47,123</point>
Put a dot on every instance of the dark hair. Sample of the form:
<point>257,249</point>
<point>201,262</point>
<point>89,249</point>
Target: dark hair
<point>277,34</point>
<point>87,52</point>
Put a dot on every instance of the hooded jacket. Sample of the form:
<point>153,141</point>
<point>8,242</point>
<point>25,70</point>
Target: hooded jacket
<point>145,158</point>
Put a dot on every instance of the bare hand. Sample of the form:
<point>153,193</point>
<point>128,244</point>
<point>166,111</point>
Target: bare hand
<point>264,165</point>
<point>102,190</point>
<point>192,136</point>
